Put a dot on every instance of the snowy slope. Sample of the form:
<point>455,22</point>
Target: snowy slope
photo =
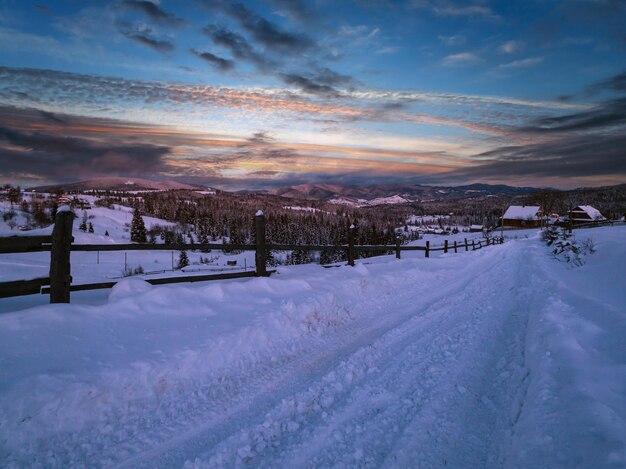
<point>105,266</point>
<point>502,357</point>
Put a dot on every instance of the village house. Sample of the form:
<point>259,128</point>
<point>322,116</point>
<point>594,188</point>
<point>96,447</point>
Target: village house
<point>522,216</point>
<point>586,214</point>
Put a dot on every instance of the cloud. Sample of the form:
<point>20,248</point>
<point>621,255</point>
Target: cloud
<point>309,86</point>
<point>583,144</point>
<point>449,8</point>
<point>455,40</point>
<point>315,80</point>
<point>219,62</point>
<point>329,77</point>
<point>154,11</point>
<point>263,31</point>
<point>603,117</point>
<point>156,44</point>
<point>143,35</point>
<point>42,8</point>
<point>572,157</point>
<point>259,138</point>
<point>52,117</point>
<point>182,104</point>
<point>238,46</point>
<point>522,63</point>
<point>510,47</point>
<point>387,50</point>
<point>52,155</point>
<point>461,59</point>
<point>297,10</point>
<point>358,36</point>
<point>31,87</point>
<point>616,83</point>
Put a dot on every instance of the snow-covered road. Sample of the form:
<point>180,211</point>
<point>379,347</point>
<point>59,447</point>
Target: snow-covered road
<point>473,360</point>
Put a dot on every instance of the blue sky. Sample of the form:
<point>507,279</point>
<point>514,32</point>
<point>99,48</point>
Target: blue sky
<point>263,94</point>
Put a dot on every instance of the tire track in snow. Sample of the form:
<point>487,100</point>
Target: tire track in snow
<point>316,402</point>
<point>416,365</point>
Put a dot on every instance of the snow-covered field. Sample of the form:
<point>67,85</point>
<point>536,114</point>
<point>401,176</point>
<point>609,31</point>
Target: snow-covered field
<point>106,266</point>
<point>502,357</point>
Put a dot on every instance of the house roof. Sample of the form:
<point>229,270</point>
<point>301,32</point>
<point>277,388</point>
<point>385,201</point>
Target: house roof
<point>592,212</point>
<point>522,212</point>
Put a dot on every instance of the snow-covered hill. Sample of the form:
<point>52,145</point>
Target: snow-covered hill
<point>106,266</point>
<point>386,193</point>
<point>503,357</point>
<point>119,184</point>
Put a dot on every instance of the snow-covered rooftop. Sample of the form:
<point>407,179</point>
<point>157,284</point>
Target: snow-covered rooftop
<point>522,212</point>
<point>593,213</point>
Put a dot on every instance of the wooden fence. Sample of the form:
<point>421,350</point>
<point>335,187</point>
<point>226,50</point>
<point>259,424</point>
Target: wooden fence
<point>59,283</point>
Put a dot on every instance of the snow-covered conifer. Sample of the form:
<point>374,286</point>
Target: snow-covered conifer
<point>137,228</point>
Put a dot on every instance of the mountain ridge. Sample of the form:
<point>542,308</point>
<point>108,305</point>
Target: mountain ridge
<point>118,183</point>
<point>410,192</point>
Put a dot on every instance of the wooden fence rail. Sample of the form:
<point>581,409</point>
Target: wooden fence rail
<point>22,287</point>
<point>59,283</point>
<point>160,281</point>
<point>17,244</point>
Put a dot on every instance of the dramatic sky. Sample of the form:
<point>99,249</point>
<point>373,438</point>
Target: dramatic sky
<point>264,94</point>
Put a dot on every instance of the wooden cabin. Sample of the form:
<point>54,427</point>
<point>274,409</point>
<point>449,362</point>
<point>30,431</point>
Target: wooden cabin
<point>586,214</point>
<point>522,216</point>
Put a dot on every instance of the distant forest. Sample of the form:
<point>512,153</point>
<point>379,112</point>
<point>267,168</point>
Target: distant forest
<point>229,216</point>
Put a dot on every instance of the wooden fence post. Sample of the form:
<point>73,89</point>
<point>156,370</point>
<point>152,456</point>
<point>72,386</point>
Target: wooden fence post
<point>397,247</point>
<point>60,269</point>
<point>261,253</point>
<point>473,245</point>
<point>427,252</point>
<point>351,245</point>
<point>465,244</point>
<point>455,247</point>
<point>445,246</point>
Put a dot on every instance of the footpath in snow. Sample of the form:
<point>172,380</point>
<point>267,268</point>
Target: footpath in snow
<point>502,357</point>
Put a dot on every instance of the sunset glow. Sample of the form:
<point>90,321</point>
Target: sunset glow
<point>274,93</point>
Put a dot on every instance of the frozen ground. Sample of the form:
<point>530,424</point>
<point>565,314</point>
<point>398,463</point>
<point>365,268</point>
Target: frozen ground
<point>502,357</point>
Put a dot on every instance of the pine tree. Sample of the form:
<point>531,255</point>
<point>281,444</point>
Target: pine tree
<point>106,233</point>
<point>270,259</point>
<point>137,228</point>
<point>299,256</point>
<point>204,240</point>
<point>83,223</point>
<point>91,230</point>
<point>183,260</point>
